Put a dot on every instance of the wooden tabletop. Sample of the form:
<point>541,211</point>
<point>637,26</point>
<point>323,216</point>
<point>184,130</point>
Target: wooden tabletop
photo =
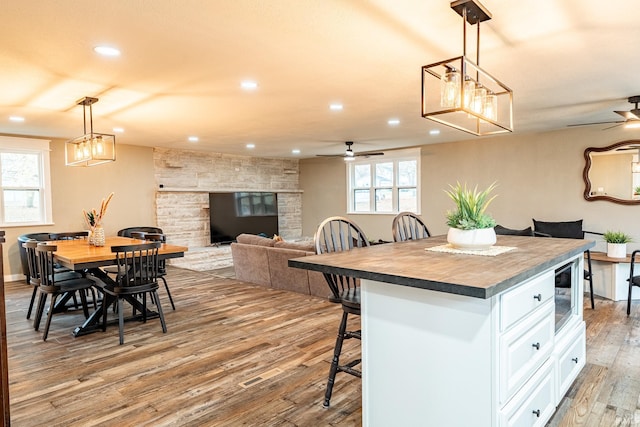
<point>409,264</point>
<point>78,254</point>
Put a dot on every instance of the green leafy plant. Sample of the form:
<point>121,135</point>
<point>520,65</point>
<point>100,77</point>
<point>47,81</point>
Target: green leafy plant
<point>471,206</point>
<point>616,237</point>
<point>636,190</point>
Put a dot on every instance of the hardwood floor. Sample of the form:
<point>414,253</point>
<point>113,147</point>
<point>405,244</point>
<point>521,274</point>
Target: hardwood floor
<point>237,354</point>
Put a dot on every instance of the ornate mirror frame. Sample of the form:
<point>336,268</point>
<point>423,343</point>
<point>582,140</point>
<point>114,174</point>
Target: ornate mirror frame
<point>588,194</point>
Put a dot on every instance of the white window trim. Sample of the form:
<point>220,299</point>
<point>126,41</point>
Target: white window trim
<point>394,156</point>
<point>41,147</point>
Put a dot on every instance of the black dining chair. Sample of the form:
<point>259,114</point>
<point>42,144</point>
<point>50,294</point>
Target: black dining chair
<point>408,226</point>
<point>50,284</point>
<point>162,264</point>
<point>70,235</point>
<point>34,274</point>
<point>337,234</point>
<point>567,230</point>
<point>634,279</point>
<point>137,278</point>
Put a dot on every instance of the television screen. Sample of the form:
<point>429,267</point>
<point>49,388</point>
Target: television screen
<point>231,214</point>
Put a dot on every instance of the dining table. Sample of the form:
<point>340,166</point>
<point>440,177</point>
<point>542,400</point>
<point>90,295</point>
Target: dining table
<point>79,255</point>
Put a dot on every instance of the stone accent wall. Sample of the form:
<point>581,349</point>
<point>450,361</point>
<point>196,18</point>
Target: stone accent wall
<point>184,180</point>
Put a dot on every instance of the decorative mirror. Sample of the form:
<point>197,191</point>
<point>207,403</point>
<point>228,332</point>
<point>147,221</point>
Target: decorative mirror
<point>613,173</point>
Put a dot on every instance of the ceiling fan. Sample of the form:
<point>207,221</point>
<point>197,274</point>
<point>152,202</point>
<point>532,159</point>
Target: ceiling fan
<point>631,117</point>
<point>350,155</point>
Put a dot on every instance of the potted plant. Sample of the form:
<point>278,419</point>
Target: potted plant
<point>616,243</point>
<point>470,227</point>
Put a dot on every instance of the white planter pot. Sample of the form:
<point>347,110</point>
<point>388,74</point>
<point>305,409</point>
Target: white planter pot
<point>617,250</point>
<point>475,240</point>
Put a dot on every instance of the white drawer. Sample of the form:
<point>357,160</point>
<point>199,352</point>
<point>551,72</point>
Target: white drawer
<point>534,404</point>
<point>524,348</point>
<point>571,360</point>
<point>519,302</point>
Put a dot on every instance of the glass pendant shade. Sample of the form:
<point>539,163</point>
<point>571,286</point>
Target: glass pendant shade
<point>450,89</point>
<point>468,90</point>
<point>479,98</point>
<point>490,110</point>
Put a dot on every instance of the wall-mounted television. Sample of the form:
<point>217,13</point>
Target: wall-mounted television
<point>231,214</point>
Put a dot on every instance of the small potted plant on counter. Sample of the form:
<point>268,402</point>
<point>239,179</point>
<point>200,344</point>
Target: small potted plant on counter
<point>616,243</point>
<point>470,226</point>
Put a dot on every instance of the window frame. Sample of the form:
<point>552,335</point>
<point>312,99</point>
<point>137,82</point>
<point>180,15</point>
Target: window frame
<point>395,157</point>
<point>41,148</point>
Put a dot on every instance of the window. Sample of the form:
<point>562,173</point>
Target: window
<point>25,192</point>
<point>385,184</point>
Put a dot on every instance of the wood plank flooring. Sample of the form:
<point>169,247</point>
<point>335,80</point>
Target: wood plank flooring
<point>237,354</point>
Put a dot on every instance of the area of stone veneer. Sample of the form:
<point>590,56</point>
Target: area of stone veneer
<point>184,180</point>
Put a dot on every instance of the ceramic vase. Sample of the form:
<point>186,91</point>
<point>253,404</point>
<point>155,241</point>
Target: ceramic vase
<point>475,240</point>
<point>617,250</point>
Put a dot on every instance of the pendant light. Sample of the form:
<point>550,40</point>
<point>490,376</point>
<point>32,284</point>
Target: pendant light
<point>457,92</point>
<point>92,148</point>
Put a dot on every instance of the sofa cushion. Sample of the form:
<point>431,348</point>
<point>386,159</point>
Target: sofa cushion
<point>252,239</point>
<point>566,229</point>
<point>300,246</point>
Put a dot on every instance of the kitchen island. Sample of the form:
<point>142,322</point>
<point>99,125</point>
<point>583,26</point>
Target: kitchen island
<point>464,339</point>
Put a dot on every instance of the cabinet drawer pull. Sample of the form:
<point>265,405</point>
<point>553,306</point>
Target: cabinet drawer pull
<point>538,297</point>
<point>537,412</point>
<point>575,359</point>
<point>536,345</point>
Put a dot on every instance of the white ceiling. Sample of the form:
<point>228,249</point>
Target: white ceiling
<point>179,74</point>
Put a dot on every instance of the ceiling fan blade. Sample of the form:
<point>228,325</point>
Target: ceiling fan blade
<point>611,127</point>
<point>626,114</point>
<point>635,113</point>
<point>595,123</point>
<point>369,154</point>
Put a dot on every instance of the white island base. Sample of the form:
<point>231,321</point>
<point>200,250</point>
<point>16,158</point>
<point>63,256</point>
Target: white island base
<point>438,359</point>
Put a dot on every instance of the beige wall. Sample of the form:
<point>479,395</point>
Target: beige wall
<point>130,177</point>
<point>538,175</point>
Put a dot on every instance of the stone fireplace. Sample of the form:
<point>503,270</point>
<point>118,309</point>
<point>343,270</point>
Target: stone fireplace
<point>184,180</point>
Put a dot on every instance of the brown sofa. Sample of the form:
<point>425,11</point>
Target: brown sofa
<point>264,261</point>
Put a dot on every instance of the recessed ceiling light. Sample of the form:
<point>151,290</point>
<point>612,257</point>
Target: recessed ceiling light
<point>393,122</point>
<point>251,145</point>
<point>295,151</point>
<point>249,85</point>
<point>336,107</point>
<point>107,50</point>
<point>17,119</point>
<point>118,130</point>
<point>193,139</point>
<point>434,132</point>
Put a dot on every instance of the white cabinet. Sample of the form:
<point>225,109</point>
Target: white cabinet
<point>439,359</point>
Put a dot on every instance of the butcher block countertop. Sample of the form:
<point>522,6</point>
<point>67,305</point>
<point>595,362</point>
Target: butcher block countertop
<point>409,264</point>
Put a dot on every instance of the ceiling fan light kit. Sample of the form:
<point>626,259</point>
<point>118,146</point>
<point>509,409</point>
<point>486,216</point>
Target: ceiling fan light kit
<point>349,155</point>
<point>458,93</point>
<point>92,148</point>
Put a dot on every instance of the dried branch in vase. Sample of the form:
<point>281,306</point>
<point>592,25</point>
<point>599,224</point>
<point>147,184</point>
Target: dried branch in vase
<point>93,218</point>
